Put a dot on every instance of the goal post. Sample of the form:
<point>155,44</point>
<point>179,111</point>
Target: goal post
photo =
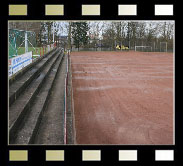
<point>21,41</point>
<point>143,48</point>
<point>163,46</point>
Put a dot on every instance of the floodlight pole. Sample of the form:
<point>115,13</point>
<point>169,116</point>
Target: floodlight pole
<point>15,46</point>
<point>26,42</point>
<point>53,33</point>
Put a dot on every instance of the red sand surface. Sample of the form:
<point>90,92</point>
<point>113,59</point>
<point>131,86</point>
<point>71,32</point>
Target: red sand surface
<point>123,97</point>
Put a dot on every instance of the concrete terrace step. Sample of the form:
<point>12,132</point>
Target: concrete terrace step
<point>19,85</point>
<point>51,129</point>
<point>27,133</point>
<point>21,106</point>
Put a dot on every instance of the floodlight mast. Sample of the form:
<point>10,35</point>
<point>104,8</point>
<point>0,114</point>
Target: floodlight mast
<point>53,33</point>
<point>26,42</point>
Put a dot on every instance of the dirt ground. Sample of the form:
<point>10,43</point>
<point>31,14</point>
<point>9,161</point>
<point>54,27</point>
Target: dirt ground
<point>123,97</point>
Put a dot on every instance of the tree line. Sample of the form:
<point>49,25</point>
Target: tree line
<point>129,33</point>
<point>100,33</point>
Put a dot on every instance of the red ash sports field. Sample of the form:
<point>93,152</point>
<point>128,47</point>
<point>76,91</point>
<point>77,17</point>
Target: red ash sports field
<point>123,97</point>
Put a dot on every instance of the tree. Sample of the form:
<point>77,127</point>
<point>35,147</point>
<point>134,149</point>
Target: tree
<point>41,34</point>
<point>49,28</point>
<point>80,33</point>
<point>69,36</point>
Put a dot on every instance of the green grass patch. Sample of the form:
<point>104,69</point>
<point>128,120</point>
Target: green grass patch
<point>36,51</point>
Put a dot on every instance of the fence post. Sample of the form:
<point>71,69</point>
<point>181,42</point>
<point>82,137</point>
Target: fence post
<point>26,43</point>
<point>40,50</point>
<point>115,44</point>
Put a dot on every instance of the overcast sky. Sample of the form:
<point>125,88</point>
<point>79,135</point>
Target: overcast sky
<point>64,32</point>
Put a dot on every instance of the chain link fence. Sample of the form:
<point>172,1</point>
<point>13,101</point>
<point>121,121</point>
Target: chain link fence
<point>21,41</point>
<point>124,45</point>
